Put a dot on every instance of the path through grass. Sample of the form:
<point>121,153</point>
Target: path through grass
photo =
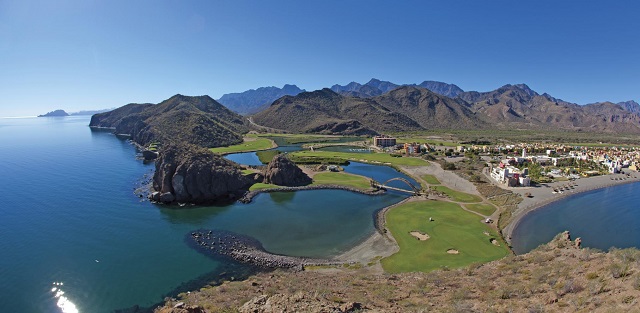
<point>458,196</point>
<point>482,208</point>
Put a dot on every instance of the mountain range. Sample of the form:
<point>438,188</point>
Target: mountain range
<point>255,100</point>
<point>380,106</point>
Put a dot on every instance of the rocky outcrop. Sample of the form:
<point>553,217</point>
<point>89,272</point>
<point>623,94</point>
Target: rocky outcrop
<point>189,174</point>
<point>283,172</point>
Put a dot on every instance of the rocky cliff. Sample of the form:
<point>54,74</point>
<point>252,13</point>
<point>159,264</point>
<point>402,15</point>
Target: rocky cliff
<point>190,174</point>
<point>283,172</point>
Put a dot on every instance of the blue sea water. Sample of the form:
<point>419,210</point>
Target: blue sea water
<point>71,226</point>
<point>603,218</point>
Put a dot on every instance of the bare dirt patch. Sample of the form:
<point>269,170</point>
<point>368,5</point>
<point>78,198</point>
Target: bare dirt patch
<point>420,235</point>
<point>453,251</point>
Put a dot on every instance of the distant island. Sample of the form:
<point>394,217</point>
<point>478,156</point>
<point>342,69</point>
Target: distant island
<point>58,113</point>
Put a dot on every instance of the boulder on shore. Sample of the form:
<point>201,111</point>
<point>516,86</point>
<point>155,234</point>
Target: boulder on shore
<point>283,172</point>
<point>190,174</point>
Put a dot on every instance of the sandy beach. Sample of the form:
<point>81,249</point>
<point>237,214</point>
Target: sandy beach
<point>543,194</point>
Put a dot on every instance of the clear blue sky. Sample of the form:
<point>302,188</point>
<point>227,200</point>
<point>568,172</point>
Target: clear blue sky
<point>82,54</point>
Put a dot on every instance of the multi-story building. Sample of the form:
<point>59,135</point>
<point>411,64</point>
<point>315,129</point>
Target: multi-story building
<point>384,141</point>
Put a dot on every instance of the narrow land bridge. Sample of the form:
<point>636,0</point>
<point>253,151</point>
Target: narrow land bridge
<point>414,190</point>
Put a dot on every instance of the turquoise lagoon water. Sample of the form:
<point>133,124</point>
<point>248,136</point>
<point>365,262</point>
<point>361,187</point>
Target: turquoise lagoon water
<point>70,220</point>
<point>603,218</point>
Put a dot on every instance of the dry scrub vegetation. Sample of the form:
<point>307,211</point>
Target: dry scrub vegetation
<point>557,277</point>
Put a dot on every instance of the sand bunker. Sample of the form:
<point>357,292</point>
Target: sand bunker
<point>453,251</point>
<point>495,242</point>
<point>420,235</point>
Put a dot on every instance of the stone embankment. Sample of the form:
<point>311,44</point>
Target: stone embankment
<point>247,250</point>
<point>248,196</point>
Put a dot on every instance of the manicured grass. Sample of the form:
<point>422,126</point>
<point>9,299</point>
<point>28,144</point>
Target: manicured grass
<point>248,145</point>
<point>482,208</point>
<point>458,196</point>
<point>451,228</point>
<point>267,155</point>
<point>248,172</point>
<point>371,157</point>
<point>431,180</point>
<point>342,179</point>
<point>259,186</point>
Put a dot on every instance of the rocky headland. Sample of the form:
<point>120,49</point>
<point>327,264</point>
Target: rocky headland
<point>198,120</point>
<point>190,174</point>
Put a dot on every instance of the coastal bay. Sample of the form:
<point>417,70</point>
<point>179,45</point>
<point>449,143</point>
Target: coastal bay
<point>543,195</point>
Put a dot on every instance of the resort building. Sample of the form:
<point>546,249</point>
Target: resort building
<point>412,148</point>
<point>511,176</point>
<point>384,141</point>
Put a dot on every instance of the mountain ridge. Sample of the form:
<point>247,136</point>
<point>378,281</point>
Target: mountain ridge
<point>412,107</point>
<point>255,100</point>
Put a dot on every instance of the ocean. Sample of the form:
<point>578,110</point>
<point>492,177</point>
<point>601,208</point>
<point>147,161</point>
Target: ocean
<point>603,218</point>
<point>76,238</point>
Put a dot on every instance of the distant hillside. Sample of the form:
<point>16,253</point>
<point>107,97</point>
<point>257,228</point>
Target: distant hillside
<point>630,106</point>
<point>404,109</point>
<point>252,101</point>
<point>89,112</point>
<point>429,109</point>
<point>518,106</point>
<point>194,120</point>
<point>56,113</point>
<point>377,87</point>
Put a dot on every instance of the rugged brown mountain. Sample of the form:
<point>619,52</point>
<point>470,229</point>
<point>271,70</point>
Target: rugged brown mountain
<point>196,120</point>
<point>429,109</point>
<point>324,111</point>
<point>519,107</point>
<point>407,108</point>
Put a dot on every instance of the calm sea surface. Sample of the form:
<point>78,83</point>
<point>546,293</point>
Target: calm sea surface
<point>74,234</point>
<point>604,218</point>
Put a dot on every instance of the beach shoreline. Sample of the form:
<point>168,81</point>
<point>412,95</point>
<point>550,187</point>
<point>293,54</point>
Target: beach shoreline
<point>542,195</point>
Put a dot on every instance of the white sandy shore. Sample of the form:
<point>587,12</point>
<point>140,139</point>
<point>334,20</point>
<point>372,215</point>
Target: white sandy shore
<point>543,194</point>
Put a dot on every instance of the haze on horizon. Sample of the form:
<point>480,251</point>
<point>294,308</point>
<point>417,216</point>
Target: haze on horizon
<point>83,55</point>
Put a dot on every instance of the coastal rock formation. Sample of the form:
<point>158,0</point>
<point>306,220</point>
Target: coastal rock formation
<point>189,174</point>
<point>283,172</point>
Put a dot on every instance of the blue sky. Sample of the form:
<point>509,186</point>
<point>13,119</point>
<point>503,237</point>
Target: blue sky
<point>81,54</point>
